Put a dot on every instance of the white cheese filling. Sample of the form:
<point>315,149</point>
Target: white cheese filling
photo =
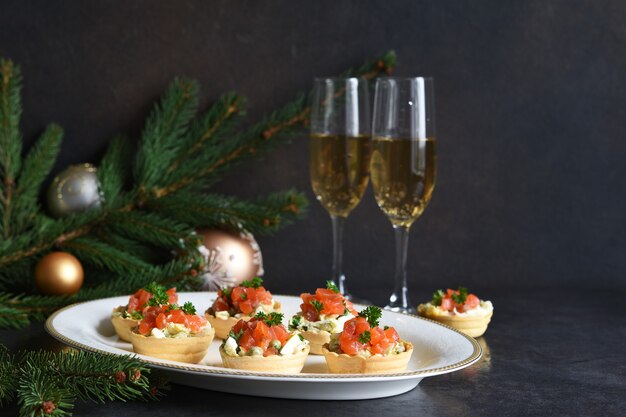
<point>332,323</point>
<point>295,344</point>
<point>483,309</point>
<point>176,331</point>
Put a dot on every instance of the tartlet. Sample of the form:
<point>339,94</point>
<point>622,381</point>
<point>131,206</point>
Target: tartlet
<point>321,315</point>
<point>460,310</point>
<point>239,303</point>
<point>125,318</point>
<point>262,344</point>
<point>172,332</point>
<point>364,348</point>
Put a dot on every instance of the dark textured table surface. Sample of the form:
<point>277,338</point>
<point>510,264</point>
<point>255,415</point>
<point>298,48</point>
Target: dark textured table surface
<point>548,352</point>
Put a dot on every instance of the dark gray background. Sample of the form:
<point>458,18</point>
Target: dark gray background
<point>530,120</point>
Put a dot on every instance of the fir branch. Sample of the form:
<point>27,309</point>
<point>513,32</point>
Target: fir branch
<point>262,216</point>
<point>102,255</point>
<point>49,383</point>
<point>8,376</point>
<point>93,377</point>
<point>49,234</point>
<point>10,137</point>
<point>168,121</point>
<point>36,168</point>
<point>41,395</point>
<point>264,135</point>
<point>217,121</point>
<point>114,169</point>
<point>149,227</point>
<point>18,310</point>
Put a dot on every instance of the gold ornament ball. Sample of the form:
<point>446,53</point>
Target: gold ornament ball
<point>236,257</point>
<point>59,273</point>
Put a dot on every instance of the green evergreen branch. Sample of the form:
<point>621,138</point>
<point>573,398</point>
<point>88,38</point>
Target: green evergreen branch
<point>219,119</point>
<point>114,169</point>
<point>264,135</point>
<point>168,121</point>
<point>40,395</point>
<point>149,227</point>
<point>10,138</point>
<point>48,384</point>
<point>262,216</point>
<point>102,255</point>
<point>36,168</point>
<point>8,376</point>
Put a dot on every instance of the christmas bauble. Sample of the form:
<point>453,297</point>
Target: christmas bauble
<point>74,190</point>
<point>59,273</point>
<point>230,258</point>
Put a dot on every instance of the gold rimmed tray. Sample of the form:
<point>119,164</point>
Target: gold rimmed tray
<point>437,349</point>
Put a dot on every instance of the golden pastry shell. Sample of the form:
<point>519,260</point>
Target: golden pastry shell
<point>191,349</point>
<point>341,363</point>
<point>276,364</point>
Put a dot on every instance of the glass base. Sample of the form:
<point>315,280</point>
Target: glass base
<point>405,310</point>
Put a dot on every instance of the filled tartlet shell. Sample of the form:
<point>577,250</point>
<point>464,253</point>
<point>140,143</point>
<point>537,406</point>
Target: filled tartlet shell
<point>123,326</point>
<point>377,364</point>
<point>317,340</point>
<point>222,327</point>
<point>276,364</point>
<point>474,326</point>
<point>187,349</point>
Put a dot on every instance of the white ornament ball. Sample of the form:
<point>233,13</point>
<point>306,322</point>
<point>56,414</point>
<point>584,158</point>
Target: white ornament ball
<point>74,190</point>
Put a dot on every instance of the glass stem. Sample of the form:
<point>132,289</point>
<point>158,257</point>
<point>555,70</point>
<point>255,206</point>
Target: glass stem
<point>399,298</point>
<point>337,274</point>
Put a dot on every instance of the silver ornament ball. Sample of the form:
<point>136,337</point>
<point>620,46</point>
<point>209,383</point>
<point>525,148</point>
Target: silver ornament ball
<point>74,190</point>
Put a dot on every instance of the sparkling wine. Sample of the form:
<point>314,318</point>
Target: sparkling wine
<point>403,177</point>
<point>339,168</point>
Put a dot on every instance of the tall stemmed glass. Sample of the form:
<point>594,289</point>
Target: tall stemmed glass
<point>403,163</point>
<point>339,154</point>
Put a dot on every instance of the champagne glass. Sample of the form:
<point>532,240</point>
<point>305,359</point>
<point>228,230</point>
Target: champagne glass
<point>403,163</point>
<point>339,154</point>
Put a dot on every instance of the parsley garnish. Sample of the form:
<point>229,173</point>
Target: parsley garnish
<point>365,337</point>
<point>226,292</point>
<point>159,295</point>
<point>461,296</point>
<point>255,283</point>
<point>244,296</point>
<point>437,297</point>
<point>271,319</point>
<point>385,328</point>
<point>189,308</point>
<point>136,315</point>
<point>295,322</point>
<point>319,306</point>
<point>301,337</point>
<point>372,314</point>
<point>331,286</point>
<point>237,335</point>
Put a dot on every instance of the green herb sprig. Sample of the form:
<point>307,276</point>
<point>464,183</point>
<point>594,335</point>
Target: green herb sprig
<point>461,296</point>
<point>271,319</point>
<point>437,297</point>
<point>159,295</point>
<point>365,337</point>
<point>332,286</point>
<point>372,314</point>
<point>319,306</point>
<point>256,282</point>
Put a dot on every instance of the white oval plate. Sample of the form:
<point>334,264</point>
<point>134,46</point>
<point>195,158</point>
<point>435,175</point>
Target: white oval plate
<point>438,349</point>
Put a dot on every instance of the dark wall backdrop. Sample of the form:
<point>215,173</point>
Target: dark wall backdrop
<point>530,120</point>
